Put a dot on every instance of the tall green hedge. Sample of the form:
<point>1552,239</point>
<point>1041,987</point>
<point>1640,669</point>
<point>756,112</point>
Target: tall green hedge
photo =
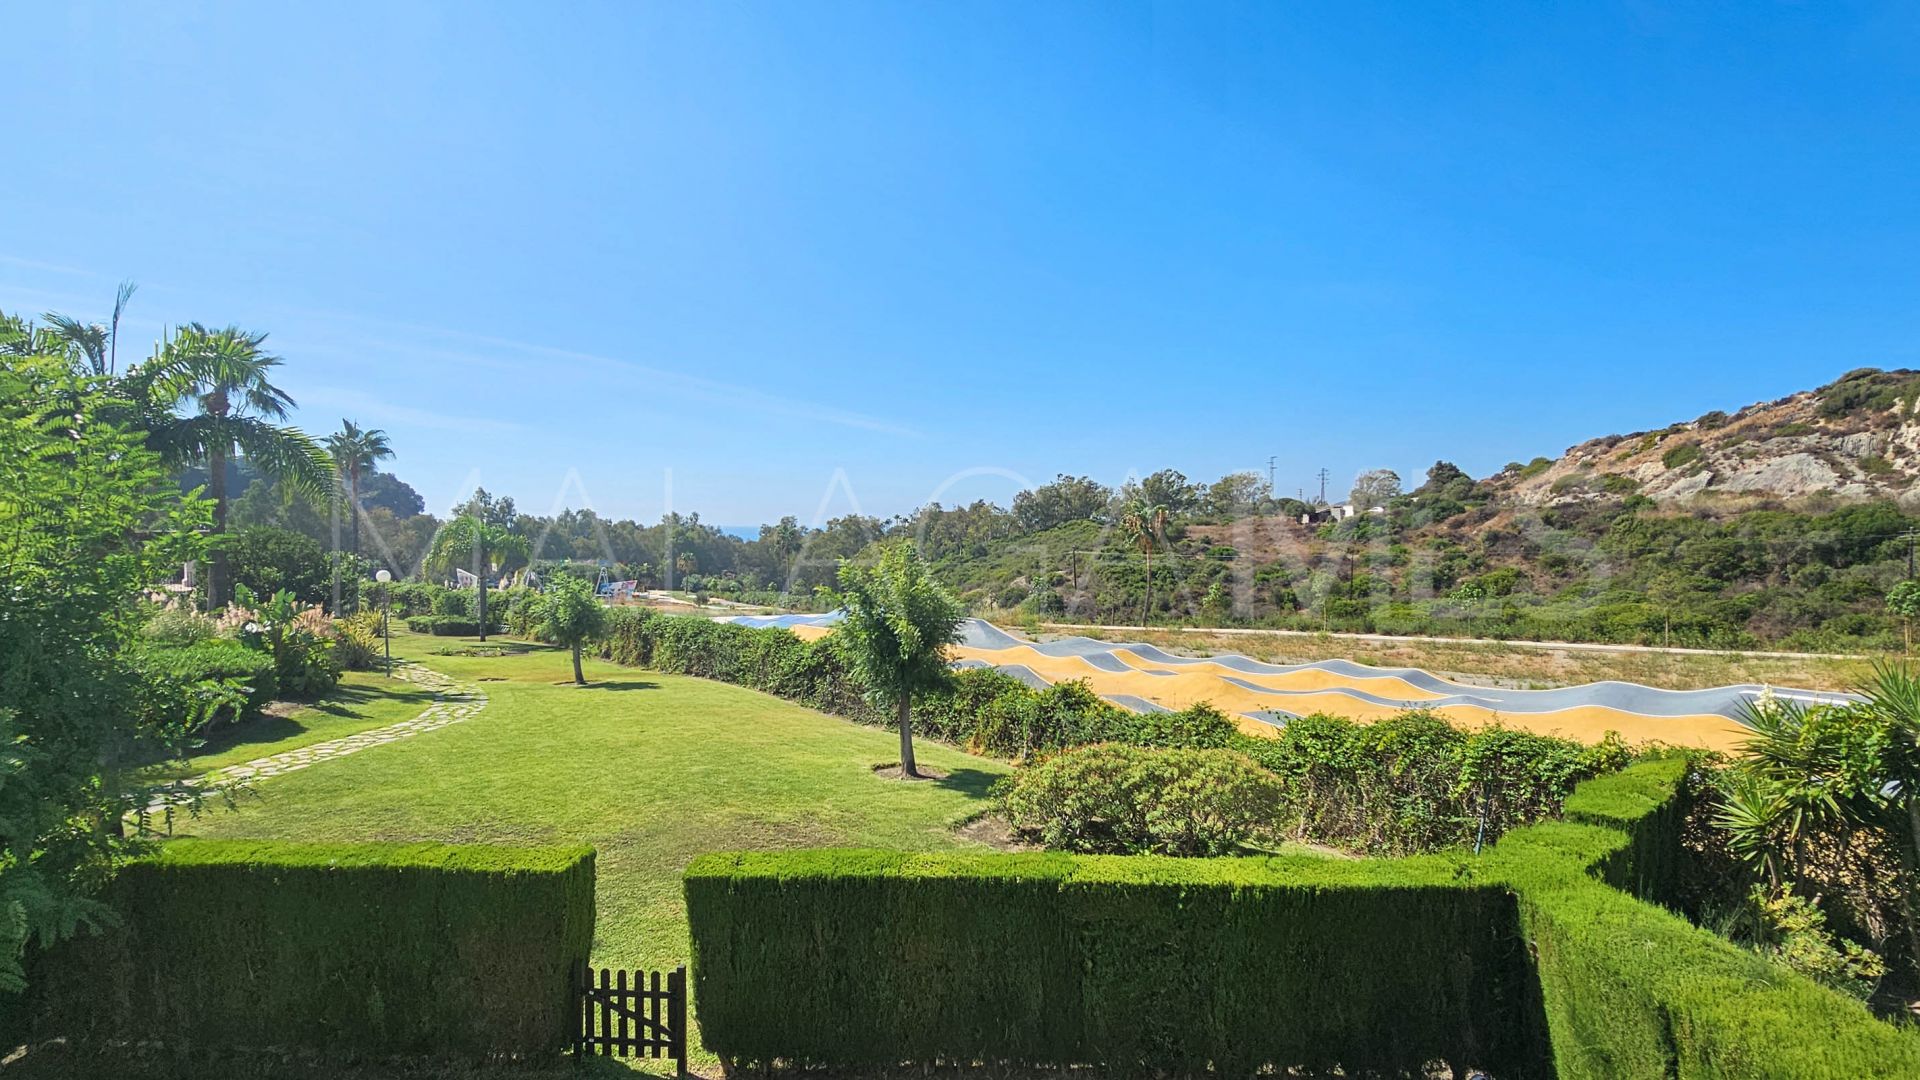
<point>1631,990</point>
<point>1528,961</point>
<point>362,949</point>
<point>982,709</point>
<point>1134,963</point>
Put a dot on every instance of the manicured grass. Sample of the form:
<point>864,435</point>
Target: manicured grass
<point>363,700</point>
<point>651,769</point>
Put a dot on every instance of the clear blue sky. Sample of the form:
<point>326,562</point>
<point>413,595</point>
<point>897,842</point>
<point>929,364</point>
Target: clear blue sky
<point>758,245</point>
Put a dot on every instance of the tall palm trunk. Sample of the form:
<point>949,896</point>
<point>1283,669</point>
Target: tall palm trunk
<point>333,504</point>
<point>217,490</point>
<point>353,504</point>
<point>1146,607</point>
<point>908,767</point>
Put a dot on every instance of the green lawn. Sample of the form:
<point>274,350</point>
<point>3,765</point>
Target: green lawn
<point>651,769</point>
<point>362,700</point>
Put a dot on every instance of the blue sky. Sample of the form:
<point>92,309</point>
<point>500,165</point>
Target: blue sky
<point>806,258</point>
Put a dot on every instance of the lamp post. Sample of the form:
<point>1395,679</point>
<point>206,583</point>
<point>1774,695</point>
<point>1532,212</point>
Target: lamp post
<point>386,605</point>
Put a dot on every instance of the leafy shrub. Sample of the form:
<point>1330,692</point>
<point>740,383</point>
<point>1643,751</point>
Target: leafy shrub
<point>268,560</point>
<point>1798,937</point>
<point>172,681</point>
<point>1126,800</point>
<point>444,625</point>
<point>1681,455</point>
<point>1011,597</point>
<point>178,626</point>
<point>299,639</point>
<point>357,643</point>
<point>1618,484</point>
<point>412,598</point>
<point>456,602</point>
<point>1413,782</point>
<point>345,949</point>
<point>1535,467</point>
<point>1867,390</point>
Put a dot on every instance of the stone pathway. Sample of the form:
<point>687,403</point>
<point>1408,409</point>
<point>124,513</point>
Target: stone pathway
<point>453,702</point>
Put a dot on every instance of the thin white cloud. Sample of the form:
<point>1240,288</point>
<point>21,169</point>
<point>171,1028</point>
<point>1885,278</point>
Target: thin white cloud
<point>385,410</point>
<point>392,336</point>
<point>731,395</point>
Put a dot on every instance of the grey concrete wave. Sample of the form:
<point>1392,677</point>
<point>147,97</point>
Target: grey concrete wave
<point>1728,701</point>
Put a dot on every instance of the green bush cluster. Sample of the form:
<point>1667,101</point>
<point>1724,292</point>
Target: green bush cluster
<point>448,625</point>
<point>357,641</point>
<point>1139,964</point>
<point>169,676</point>
<point>1413,782</point>
<point>1524,962</point>
<point>1117,799</point>
<point>346,949</point>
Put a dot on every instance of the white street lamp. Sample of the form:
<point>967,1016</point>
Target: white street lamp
<point>386,605</point>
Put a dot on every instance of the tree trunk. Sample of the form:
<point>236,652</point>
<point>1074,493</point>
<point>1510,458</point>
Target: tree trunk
<point>480,576</point>
<point>579,678</point>
<point>1913,877</point>
<point>353,506</point>
<point>908,767</point>
<point>217,490</point>
<point>1146,609</point>
<point>335,504</point>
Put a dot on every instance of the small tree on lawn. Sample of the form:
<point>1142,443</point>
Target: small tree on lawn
<point>898,624</point>
<point>571,615</point>
<point>1904,600</point>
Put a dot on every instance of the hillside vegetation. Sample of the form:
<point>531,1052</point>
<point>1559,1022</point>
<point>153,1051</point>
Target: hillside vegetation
<point>1784,524</point>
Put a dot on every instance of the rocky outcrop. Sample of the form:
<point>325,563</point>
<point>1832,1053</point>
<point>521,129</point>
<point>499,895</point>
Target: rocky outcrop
<point>1858,437</point>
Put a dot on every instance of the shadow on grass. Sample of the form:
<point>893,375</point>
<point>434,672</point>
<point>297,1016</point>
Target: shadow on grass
<point>973,782</point>
<point>340,701</point>
<point>623,684</point>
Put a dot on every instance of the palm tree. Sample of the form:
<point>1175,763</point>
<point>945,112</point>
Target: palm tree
<point>225,378</point>
<point>357,451</point>
<point>1146,525</point>
<point>92,342</point>
<point>472,539</point>
<point>897,627</point>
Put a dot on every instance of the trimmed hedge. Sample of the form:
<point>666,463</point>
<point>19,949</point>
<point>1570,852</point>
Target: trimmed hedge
<point>1522,962</point>
<point>1631,990</point>
<point>449,625</point>
<point>351,949</point>
<point>1136,963</point>
<point>984,710</point>
<point>167,673</point>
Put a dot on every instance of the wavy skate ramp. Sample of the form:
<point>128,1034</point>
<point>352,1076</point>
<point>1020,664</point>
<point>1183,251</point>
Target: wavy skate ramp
<point>1263,695</point>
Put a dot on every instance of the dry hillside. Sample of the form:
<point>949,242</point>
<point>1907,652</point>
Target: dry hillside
<point>1858,437</point>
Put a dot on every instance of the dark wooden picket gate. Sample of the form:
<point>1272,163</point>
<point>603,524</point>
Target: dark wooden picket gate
<point>637,1018</point>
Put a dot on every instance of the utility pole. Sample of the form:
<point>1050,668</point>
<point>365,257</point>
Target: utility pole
<point>1323,487</point>
<point>1270,461</point>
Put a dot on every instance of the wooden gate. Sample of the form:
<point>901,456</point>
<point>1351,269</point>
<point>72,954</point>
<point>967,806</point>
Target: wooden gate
<point>632,1018</point>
